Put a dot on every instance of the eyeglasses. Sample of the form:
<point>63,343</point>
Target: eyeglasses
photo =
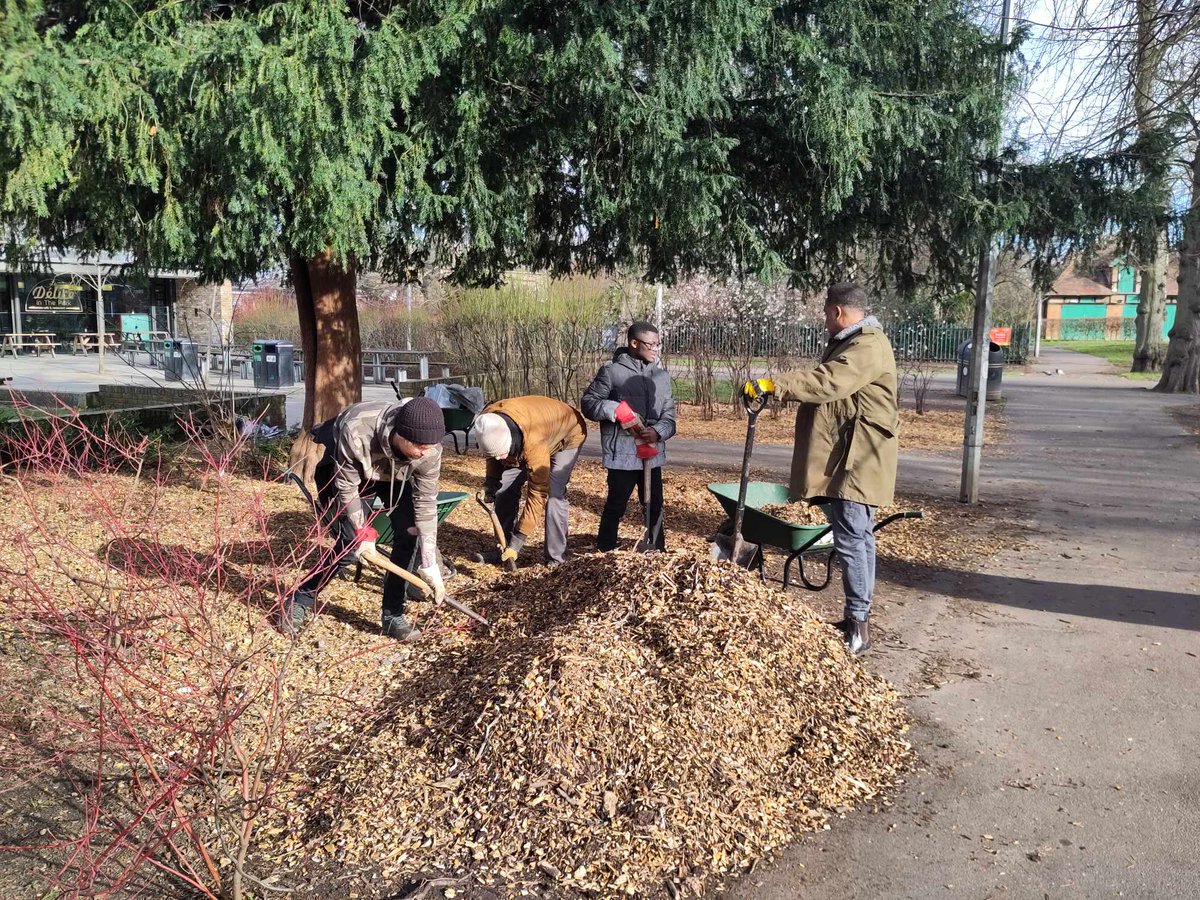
<point>648,345</point>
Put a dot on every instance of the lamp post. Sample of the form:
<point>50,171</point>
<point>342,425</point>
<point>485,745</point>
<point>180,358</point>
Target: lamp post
<point>985,282</point>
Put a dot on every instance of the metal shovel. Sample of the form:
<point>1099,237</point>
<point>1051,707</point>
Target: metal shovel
<point>733,546</point>
<point>646,544</point>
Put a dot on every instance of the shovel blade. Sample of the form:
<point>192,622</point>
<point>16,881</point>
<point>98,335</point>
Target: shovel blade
<point>466,611</point>
<point>732,548</point>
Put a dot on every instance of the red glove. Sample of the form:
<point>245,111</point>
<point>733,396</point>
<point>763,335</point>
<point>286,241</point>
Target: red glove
<point>625,415</point>
<point>646,451</point>
<point>366,534</point>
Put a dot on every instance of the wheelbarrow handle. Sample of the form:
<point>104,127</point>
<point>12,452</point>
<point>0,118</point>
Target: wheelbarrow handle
<point>911,514</point>
<point>292,476</point>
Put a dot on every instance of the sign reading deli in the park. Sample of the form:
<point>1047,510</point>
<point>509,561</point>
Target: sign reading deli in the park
<point>50,296</point>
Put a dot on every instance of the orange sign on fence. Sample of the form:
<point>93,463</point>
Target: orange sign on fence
<point>1001,336</point>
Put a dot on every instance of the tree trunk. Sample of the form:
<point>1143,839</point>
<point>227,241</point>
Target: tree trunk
<point>329,337</point>
<point>1150,350</point>
<point>1181,371</point>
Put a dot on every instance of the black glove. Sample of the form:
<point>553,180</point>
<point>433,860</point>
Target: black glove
<point>490,487</point>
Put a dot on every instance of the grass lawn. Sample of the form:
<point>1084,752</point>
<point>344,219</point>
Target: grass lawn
<point>1119,353</point>
<point>684,390</point>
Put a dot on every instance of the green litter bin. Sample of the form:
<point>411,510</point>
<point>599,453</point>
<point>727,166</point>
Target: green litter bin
<point>272,364</point>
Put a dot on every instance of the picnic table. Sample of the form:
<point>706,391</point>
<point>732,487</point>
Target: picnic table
<point>148,342</point>
<point>37,341</point>
<point>85,341</point>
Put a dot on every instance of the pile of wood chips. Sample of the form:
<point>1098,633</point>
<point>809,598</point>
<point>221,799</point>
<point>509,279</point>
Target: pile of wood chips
<point>632,725</point>
<point>796,513</point>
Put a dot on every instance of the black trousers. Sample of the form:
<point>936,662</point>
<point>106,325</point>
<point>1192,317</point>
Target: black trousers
<point>399,495</point>
<point>621,483</point>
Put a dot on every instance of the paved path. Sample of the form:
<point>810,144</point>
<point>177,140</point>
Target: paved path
<point>1059,755</point>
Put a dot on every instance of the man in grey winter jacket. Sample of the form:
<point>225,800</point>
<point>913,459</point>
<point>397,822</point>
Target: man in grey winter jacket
<point>633,377</point>
<point>392,450</point>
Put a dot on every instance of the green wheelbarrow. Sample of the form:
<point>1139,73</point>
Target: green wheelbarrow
<point>458,421</point>
<point>802,543</point>
<point>447,501</point>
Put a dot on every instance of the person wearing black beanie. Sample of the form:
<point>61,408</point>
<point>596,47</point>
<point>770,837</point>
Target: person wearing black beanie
<point>420,421</point>
<point>386,449</point>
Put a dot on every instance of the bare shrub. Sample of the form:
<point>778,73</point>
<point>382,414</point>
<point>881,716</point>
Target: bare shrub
<point>530,339</point>
<point>139,667</point>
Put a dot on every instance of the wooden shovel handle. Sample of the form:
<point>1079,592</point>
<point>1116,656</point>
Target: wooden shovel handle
<point>377,559</point>
<point>497,528</point>
<point>382,562</point>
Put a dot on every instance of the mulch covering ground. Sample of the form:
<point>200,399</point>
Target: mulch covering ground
<point>938,430</point>
<point>632,724</point>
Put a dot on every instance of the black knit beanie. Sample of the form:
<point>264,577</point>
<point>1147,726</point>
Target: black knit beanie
<point>420,420</point>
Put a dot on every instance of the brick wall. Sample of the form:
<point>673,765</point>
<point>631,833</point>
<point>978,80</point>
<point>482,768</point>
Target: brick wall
<point>154,407</point>
<point>203,311</point>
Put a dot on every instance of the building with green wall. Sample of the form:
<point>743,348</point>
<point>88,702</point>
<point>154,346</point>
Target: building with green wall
<point>1099,301</point>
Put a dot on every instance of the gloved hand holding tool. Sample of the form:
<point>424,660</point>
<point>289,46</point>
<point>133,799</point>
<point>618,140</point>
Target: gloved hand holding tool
<point>759,387</point>
<point>508,557</point>
<point>434,588</point>
<point>364,542</point>
<point>506,551</point>
<point>647,437</point>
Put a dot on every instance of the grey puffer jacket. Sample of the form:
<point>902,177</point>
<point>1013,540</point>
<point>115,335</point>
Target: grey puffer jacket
<point>644,386</point>
<point>361,451</point>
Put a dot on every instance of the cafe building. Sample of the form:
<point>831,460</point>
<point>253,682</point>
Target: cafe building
<point>61,299</point>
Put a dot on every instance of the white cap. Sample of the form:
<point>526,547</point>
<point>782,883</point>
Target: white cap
<point>491,434</point>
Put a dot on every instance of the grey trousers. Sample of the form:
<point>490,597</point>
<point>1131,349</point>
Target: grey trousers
<point>854,542</point>
<point>508,499</point>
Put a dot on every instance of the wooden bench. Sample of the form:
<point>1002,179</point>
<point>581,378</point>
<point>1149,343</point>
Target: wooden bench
<point>85,341</point>
<point>34,342</point>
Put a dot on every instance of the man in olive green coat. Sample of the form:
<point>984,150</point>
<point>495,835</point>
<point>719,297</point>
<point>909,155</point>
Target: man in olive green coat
<point>846,445</point>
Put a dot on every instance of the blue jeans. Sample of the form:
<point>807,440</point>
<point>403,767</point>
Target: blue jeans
<point>854,543</point>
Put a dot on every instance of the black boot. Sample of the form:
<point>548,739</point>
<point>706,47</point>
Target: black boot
<point>293,614</point>
<point>858,637</point>
<point>398,627</point>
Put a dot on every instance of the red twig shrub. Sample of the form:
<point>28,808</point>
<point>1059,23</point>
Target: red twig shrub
<point>138,663</point>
